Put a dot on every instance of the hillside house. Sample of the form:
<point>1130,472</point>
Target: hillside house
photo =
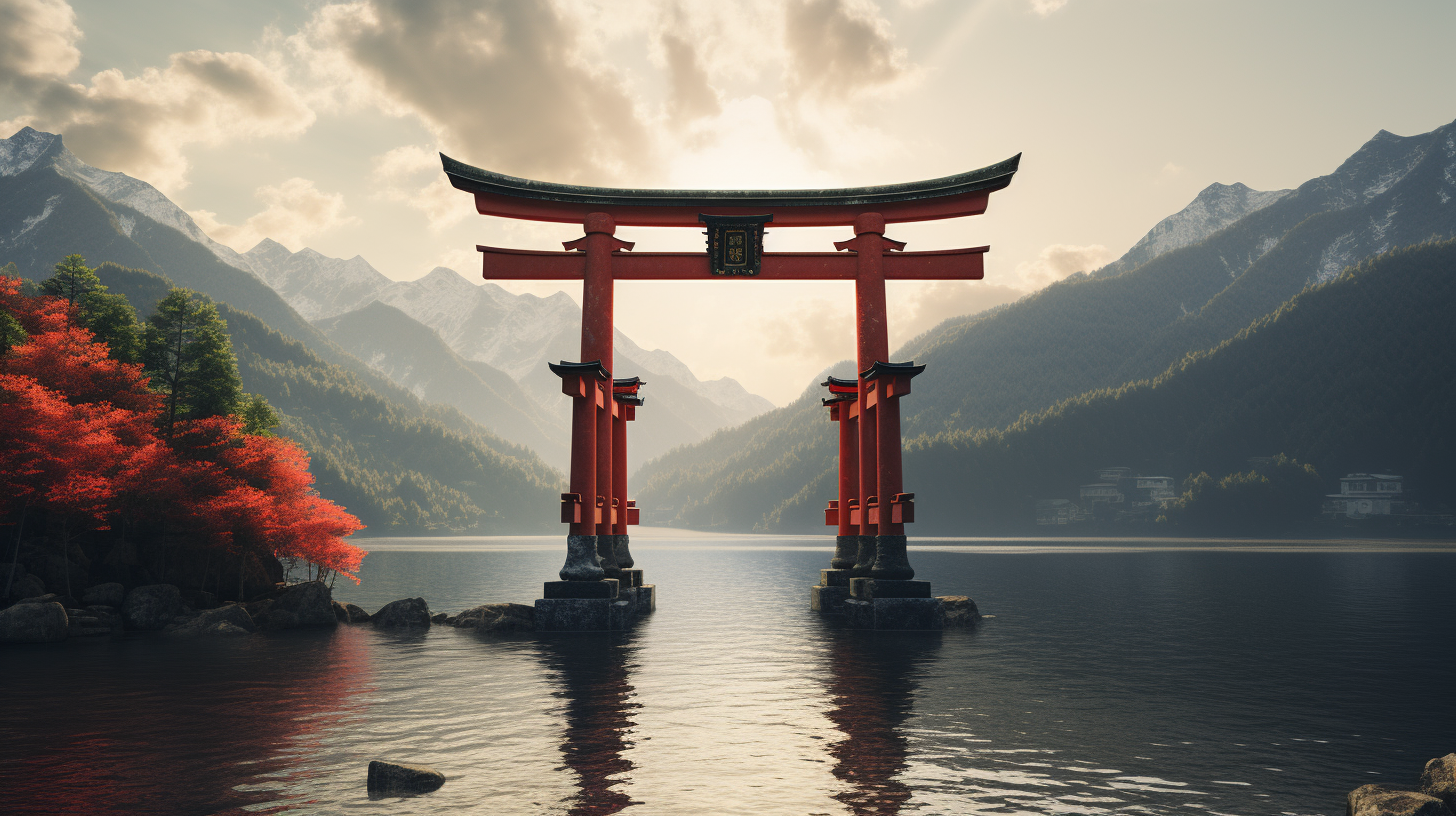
<point>1055,511</point>
<point>1368,494</point>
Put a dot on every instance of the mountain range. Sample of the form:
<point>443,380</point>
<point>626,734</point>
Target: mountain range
<point>376,336</point>
<point>1197,279</point>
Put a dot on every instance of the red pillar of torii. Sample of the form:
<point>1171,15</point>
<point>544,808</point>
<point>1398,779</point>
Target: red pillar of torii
<point>872,508</point>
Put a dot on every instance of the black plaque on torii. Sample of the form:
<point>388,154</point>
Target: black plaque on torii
<point>735,243</point>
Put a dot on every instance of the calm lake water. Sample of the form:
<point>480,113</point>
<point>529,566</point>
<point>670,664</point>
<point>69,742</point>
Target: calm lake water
<point>1143,678</point>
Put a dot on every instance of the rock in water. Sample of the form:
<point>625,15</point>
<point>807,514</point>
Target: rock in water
<point>228,620</point>
<point>341,614</point>
<point>407,612</point>
<point>1439,780</point>
<point>307,604</point>
<point>356,613</point>
<point>104,595</point>
<point>1381,800</point>
<point>501,617</point>
<point>387,777</point>
<point>151,607</point>
<point>33,623</point>
<point>959,611</point>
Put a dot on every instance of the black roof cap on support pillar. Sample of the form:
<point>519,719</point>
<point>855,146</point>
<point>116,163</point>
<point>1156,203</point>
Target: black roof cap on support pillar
<point>880,369</point>
<point>591,369</point>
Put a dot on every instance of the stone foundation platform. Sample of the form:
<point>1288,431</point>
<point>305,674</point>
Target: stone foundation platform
<point>608,605</point>
<point>895,613</point>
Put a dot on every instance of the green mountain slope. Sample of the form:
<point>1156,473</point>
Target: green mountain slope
<point>1352,375</point>
<point>1097,332</point>
<point>402,466</point>
<point>414,357</point>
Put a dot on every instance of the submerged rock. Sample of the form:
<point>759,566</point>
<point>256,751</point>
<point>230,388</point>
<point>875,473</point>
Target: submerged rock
<point>1439,780</point>
<point>389,777</point>
<point>104,595</point>
<point>1382,800</point>
<point>228,620</point>
<point>959,611</point>
<point>33,623</point>
<point>407,612</point>
<point>152,607</point>
<point>500,617</point>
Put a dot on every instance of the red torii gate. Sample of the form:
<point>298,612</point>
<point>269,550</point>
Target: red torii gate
<point>872,508</point>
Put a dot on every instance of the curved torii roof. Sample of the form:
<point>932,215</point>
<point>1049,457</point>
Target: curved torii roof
<point>947,197</point>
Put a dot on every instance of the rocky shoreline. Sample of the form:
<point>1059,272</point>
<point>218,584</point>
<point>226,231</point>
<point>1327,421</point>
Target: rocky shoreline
<point>111,609</point>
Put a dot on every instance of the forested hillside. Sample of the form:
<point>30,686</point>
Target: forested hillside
<point>1090,332</point>
<point>400,465</point>
<point>1355,374</point>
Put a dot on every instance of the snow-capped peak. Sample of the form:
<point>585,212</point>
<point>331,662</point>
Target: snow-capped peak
<point>28,146</point>
<point>22,150</point>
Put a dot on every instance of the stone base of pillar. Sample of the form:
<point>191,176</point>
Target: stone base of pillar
<point>646,599</point>
<point>828,599</point>
<point>864,555</point>
<point>624,555</point>
<point>584,614</point>
<point>868,589</point>
<point>846,552</point>
<point>835,577</point>
<point>581,560</point>
<point>607,555</point>
<point>630,577</point>
<point>607,588</point>
<point>916,614</point>
<point>891,559</point>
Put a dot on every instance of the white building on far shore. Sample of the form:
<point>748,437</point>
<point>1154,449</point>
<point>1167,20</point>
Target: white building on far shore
<point>1367,494</point>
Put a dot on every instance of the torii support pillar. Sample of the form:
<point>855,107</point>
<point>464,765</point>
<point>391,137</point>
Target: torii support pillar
<point>833,588</point>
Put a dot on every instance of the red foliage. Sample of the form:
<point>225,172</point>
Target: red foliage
<point>78,437</point>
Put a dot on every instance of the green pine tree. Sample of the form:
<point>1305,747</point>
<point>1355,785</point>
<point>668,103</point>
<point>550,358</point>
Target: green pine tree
<point>186,350</point>
<point>259,418</point>
<point>109,317</point>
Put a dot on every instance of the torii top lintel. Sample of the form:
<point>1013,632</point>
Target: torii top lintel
<point>949,197</point>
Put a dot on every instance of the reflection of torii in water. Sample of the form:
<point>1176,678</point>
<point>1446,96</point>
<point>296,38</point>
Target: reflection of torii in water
<point>872,509</point>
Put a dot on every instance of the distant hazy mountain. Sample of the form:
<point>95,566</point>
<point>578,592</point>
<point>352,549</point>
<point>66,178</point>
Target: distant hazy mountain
<point>413,355</point>
<point>312,283</point>
<point>403,465</point>
<point>1215,208</point>
<point>516,334</point>
<point>1090,332</point>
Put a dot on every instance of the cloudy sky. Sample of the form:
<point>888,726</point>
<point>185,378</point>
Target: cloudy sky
<point>317,124</point>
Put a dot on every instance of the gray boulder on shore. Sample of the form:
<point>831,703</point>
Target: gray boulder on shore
<point>499,617</point>
<point>228,621</point>
<point>1439,780</point>
<point>112,594</point>
<point>33,623</point>
<point>404,613</point>
<point>1382,800</point>
<point>388,777</point>
<point>302,605</point>
<point>152,607</point>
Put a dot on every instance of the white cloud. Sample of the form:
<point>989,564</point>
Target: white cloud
<point>819,332</point>
<point>935,302</point>
<point>139,125</point>
<point>1058,261</point>
<point>411,176</point>
<point>1045,8</point>
<point>295,212</point>
<point>501,83</point>
<point>37,40</point>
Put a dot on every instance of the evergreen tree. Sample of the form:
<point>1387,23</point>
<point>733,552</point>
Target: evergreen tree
<point>259,418</point>
<point>109,317</point>
<point>73,280</point>
<point>185,349</point>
